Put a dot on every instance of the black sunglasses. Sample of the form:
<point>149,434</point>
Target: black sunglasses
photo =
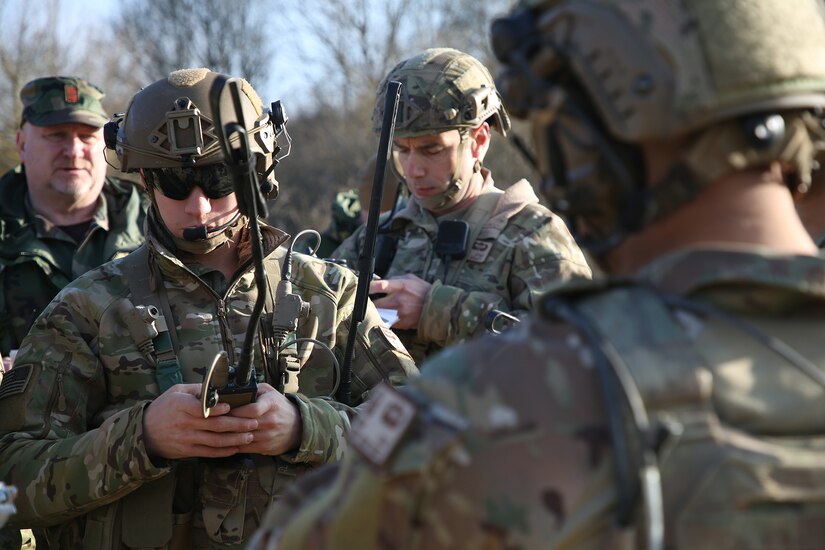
<point>178,183</point>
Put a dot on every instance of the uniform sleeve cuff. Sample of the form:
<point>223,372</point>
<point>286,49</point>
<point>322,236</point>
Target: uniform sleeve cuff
<point>435,322</point>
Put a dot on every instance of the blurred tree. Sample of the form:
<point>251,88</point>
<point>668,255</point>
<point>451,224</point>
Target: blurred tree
<point>356,42</point>
<point>30,48</point>
<point>340,48</point>
<point>164,35</point>
<point>35,45</point>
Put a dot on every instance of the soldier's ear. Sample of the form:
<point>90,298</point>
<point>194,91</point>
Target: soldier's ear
<point>481,140</point>
<point>20,143</point>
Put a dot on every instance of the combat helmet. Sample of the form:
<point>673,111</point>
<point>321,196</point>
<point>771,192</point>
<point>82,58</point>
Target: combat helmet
<point>442,89</point>
<point>737,81</point>
<point>170,124</point>
<point>169,133</point>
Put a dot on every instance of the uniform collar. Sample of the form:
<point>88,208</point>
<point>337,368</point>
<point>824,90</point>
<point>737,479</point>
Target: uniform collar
<point>742,277</point>
<point>44,227</point>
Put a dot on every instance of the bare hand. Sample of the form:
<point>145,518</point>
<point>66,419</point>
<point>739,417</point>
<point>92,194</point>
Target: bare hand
<point>8,360</point>
<point>279,423</point>
<point>406,295</point>
<point>174,426</point>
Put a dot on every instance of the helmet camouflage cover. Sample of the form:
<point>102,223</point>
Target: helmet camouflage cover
<point>442,89</point>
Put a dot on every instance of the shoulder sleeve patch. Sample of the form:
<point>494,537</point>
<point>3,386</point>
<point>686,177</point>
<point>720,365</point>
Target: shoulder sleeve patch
<point>391,338</point>
<point>15,381</point>
<point>376,433</point>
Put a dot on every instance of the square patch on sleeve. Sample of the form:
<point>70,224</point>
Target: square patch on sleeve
<point>376,433</point>
<point>15,381</point>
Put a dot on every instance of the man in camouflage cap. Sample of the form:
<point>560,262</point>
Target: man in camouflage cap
<point>102,429</point>
<point>677,406</point>
<point>59,214</point>
<point>464,247</point>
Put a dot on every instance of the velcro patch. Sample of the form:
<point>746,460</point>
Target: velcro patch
<point>479,251</point>
<point>71,94</point>
<point>392,339</point>
<point>15,381</point>
<point>376,433</point>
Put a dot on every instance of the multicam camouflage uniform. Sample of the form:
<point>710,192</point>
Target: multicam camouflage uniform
<point>679,408</point>
<point>529,403</point>
<point>522,250</point>
<point>71,411</point>
<point>37,258</point>
<point>516,248</point>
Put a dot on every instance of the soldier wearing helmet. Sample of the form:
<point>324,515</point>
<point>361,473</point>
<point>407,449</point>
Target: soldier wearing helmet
<point>349,209</point>
<point>672,406</point>
<point>456,258</point>
<point>102,428</point>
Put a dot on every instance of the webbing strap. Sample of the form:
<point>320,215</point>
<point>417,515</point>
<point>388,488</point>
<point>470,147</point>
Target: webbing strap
<point>139,267</point>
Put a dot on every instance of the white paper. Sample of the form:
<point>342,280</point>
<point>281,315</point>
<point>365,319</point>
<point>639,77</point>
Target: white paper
<point>389,316</point>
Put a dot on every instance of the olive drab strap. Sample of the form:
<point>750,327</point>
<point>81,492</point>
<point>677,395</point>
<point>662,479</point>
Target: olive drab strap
<point>480,213</point>
<point>161,353</point>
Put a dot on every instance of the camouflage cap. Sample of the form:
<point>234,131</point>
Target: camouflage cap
<point>55,100</point>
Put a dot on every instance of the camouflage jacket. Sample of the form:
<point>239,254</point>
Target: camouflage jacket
<point>37,258</point>
<point>505,442</point>
<point>72,409</point>
<point>521,250</point>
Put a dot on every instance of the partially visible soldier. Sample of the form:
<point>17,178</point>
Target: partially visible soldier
<point>350,208</point>
<point>101,427</point>
<point>345,217</point>
<point>464,247</point>
<point>678,405</point>
<point>60,216</point>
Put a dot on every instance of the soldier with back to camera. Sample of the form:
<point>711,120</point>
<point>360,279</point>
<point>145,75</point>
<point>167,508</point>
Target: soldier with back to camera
<point>462,247</point>
<point>103,429</point>
<point>676,404</point>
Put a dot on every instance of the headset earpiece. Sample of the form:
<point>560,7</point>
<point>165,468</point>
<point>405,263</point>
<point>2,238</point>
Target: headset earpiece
<point>110,133</point>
